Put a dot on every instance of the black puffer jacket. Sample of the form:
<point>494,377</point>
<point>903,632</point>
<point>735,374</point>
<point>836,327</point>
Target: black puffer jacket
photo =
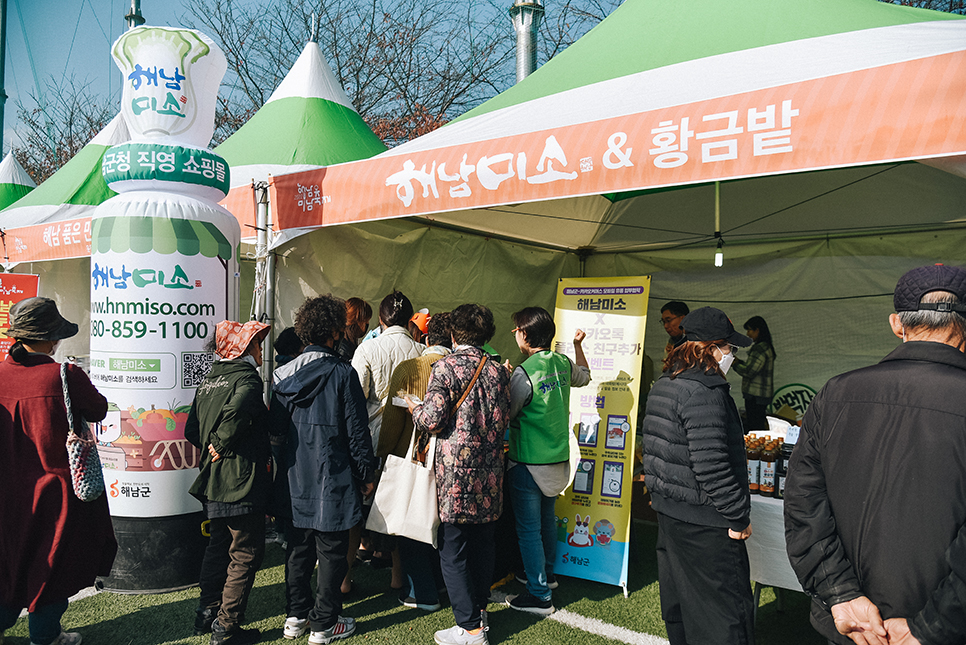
<point>694,451</point>
<point>875,501</point>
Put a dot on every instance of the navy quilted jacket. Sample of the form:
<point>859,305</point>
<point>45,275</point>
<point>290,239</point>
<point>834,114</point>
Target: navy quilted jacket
<point>694,451</point>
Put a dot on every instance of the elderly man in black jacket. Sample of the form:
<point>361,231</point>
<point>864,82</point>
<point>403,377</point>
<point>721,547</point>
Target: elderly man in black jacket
<point>875,501</point>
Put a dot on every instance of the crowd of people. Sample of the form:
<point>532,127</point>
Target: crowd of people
<point>875,501</point>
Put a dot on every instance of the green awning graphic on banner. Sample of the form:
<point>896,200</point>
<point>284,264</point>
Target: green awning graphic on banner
<point>159,234</point>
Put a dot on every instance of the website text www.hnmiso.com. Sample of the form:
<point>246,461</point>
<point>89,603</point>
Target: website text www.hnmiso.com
<point>148,307</point>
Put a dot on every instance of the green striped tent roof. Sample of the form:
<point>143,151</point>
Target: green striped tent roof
<point>159,234</point>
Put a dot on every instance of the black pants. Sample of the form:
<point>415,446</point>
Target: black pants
<point>305,548</point>
<point>420,564</point>
<point>234,554</point>
<point>705,585</point>
<point>466,556</point>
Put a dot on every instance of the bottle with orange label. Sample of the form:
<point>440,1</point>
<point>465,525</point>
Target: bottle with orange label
<point>766,484</point>
<point>753,452</point>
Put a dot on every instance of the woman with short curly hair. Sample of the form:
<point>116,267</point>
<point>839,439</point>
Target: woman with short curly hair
<point>330,466</point>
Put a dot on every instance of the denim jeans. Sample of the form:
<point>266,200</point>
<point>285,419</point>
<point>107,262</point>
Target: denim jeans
<point>44,624</point>
<point>536,529</point>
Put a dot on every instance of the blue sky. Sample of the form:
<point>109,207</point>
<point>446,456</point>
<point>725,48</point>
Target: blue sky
<point>68,37</point>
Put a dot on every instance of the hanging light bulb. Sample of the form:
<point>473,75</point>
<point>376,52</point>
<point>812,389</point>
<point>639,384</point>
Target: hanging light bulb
<point>719,252</point>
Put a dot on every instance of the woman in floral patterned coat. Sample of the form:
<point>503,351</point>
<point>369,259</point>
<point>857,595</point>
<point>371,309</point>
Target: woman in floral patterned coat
<point>469,466</point>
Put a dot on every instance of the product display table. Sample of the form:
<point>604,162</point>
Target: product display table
<point>766,546</point>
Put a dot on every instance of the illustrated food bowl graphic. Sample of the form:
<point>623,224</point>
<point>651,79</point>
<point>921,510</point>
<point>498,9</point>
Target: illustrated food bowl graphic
<point>151,440</point>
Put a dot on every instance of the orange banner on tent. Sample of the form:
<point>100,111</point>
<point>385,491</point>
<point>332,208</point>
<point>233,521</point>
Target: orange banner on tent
<point>54,241</point>
<point>848,119</point>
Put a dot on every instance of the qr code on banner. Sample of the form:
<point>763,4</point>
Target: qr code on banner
<point>195,367</point>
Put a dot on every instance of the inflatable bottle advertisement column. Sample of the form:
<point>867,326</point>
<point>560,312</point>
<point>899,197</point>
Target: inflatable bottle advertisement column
<point>164,271</point>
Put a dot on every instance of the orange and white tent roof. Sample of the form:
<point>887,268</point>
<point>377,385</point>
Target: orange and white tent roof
<point>672,96</point>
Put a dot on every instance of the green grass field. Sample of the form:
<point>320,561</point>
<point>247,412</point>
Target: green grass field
<point>113,619</point>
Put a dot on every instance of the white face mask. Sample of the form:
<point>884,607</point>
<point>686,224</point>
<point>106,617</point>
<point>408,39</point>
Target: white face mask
<point>726,361</point>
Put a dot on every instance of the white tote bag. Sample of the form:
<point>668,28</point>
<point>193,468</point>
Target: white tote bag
<point>405,503</point>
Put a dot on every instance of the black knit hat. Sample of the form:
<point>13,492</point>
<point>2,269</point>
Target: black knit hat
<point>709,324</point>
<point>934,277</point>
<point>38,319</point>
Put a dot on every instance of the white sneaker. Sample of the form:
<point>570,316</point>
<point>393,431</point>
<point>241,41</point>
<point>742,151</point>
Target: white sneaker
<point>295,627</point>
<point>456,635</point>
<point>343,628</point>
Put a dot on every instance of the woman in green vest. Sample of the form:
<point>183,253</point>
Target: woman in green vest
<point>539,458</point>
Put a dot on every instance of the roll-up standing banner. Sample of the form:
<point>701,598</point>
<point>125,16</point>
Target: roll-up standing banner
<point>594,514</point>
<point>164,271</point>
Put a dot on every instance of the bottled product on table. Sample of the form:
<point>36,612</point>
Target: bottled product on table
<point>753,453</point>
<point>766,483</point>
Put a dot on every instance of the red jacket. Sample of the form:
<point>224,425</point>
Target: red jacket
<point>52,545</point>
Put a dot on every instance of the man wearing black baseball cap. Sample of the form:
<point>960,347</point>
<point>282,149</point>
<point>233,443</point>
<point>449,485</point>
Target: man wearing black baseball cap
<point>875,510</point>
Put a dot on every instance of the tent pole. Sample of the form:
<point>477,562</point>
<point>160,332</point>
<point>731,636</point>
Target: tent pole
<point>269,357</point>
<point>261,270</point>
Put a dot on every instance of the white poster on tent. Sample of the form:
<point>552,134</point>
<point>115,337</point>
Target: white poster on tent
<point>594,514</point>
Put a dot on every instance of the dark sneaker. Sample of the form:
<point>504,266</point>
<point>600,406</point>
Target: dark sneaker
<point>530,603</point>
<point>204,617</point>
<point>234,636</point>
<point>551,580</point>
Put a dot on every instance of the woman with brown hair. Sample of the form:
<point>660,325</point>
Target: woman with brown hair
<point>695,470</point>
<point>358,315</point>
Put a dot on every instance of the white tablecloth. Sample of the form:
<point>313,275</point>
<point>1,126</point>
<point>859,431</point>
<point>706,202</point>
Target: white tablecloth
<point>766,546</point>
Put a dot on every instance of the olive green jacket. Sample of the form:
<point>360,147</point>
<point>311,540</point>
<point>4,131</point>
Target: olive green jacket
<point>228,413</point>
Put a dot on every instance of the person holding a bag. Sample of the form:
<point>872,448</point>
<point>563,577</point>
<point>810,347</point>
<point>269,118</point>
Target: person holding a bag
<point>467,406</point>
<point>420,560</point>
<point>52,544</point>
<point>330,467</point>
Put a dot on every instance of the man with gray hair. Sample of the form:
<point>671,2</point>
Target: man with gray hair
<point>875,501</point>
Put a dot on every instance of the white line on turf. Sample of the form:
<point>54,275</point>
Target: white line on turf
<point>600,628</point>
<point>592,625</point>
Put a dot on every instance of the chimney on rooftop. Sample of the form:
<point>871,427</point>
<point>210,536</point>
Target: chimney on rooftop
<point>526,16</point>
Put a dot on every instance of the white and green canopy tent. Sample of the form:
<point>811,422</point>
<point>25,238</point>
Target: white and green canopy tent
<point>836,130</point>
<point>14,181</point>
<point>308,122</point>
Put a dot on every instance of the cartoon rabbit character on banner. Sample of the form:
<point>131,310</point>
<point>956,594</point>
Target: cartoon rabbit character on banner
<point>581,535</point>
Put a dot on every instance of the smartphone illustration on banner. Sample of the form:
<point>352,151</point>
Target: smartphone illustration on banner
<point>617,429</point>
<point>611,482</point>
<point>584,479</point>
<point>588,430</point>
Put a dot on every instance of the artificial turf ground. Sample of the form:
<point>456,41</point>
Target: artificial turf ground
<point>162,619</point>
